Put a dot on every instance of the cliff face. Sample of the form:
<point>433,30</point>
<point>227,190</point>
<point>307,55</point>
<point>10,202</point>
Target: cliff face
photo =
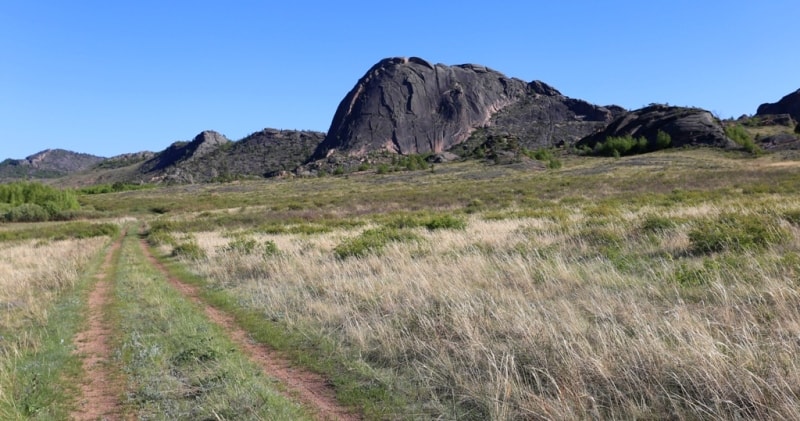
<point>410,106</point>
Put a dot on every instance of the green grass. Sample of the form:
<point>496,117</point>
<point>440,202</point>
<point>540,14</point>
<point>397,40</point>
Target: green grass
<point>177,364</point>
<point>59,231</point>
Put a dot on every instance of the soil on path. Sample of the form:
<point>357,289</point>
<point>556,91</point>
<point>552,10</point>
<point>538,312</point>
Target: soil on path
<point>100,394</point>
<point>311,389</point>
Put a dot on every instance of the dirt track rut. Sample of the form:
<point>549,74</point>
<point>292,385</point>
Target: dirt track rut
<point>311,389</point>
<point>100,393</point>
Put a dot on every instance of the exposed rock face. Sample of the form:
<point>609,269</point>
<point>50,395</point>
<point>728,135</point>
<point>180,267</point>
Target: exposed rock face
<point>202,144</point>
<point>410,106</point>
<point>790,104</point>
<point>686,126</point>
<point>546,118</point>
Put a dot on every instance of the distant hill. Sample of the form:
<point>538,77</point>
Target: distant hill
<point>212,157</point>
<point>50,163</point>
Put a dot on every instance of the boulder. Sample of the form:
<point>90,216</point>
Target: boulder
<point>686,127</point>
<point>780,141</point>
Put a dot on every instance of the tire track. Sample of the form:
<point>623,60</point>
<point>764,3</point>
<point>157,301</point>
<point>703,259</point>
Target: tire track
<point>100,394</point>
<point>311,389</point>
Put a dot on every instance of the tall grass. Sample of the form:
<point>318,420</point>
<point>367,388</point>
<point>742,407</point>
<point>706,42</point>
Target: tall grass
<point>40,311</point>
<point>608,313</point>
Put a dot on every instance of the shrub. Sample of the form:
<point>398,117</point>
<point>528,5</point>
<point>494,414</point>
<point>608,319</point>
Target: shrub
<point>27,212</point>
<point>738,134</point>
<point>735,232</point>
<point>655,223</point>
<point>241,245</point>
<point>371,241</point>
<point>445,222</point>
<point>797,128</point>
<point>189,249</point>
<point>619,146</point>
<point>663,140</point>
<point>270,248</point>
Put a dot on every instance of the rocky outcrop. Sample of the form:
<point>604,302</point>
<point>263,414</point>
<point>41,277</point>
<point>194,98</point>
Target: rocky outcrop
<point>211,157</point>
<point>790,104</point>
<point>686,126</point>
<point>410,106</point>
<point>202,144</point>
<point>546,118</point>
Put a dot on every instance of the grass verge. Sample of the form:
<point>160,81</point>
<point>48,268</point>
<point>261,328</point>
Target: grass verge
<point>39,371</point>
<point>356,384</point>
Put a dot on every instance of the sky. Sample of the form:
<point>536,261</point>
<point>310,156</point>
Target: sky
<point>111,77</point>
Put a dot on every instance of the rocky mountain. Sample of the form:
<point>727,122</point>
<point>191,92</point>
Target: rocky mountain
<point>686,126</point>
<point>50,163</point>
<point>789,104</point>
<point>411,106</point>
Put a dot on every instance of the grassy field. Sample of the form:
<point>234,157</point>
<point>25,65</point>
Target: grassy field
<point>659,286</point>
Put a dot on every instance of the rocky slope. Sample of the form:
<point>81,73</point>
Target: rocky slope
<point>211,156</point>
<point>686,127</point>
<point>50,163</point>
<point>410,106</point>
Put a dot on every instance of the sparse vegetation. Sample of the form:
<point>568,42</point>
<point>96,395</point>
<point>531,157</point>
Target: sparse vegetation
<point>651,287</point>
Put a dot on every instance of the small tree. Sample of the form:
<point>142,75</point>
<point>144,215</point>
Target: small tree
<point>663,140</point>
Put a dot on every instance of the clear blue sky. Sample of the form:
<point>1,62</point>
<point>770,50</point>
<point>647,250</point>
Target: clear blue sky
<point>108,77</point>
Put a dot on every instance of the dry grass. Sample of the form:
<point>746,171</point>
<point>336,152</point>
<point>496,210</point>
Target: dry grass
<point>545,318</point>
<point>33,273</point>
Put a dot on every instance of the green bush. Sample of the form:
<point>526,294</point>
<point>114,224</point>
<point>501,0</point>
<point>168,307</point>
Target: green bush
<point>27,212</point>
<point>445,222</point>
<point>738,134</point>
<point>620,146</point>
<point>655,224</point>
<point>189,249</point>
<point>270,248</point>
<point>241,245</point>
<point>736,232</point>
<point>663,140</point>
<point>371,241</point>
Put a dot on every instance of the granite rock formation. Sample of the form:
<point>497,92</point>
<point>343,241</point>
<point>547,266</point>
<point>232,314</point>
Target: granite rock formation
<point>410,106</point>
<point>686,127</point>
